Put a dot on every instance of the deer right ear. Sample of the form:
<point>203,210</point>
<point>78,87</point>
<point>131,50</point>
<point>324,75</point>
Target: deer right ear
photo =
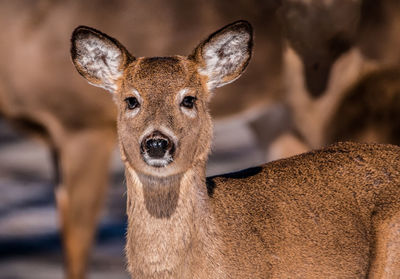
<point>224,55</point>
<point>98,58</point>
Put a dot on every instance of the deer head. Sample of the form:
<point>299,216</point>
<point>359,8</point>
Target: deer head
<point>163,122</point>
<point>320,32</point>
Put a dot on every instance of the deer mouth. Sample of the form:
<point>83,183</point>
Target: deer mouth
<point>157,163</point>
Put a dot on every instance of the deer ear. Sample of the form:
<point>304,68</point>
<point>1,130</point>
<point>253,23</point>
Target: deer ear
<point>98,58</point>
<point>224,55</point>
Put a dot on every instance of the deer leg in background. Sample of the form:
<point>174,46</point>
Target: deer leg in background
<point>84,167</point>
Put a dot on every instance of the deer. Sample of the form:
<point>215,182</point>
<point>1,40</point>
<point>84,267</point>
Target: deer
<point>77,123</point>
<point>375,95</point>
<point>328,60</point>
<point>328,213</point>
<point>37,104</point>
<point>319,63</point>
<point>375,116</point>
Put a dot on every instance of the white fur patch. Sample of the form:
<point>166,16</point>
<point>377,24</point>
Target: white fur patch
<point>224,57</point>
<point>163,162</point>
<point>134,176</point>
<point>169,134</point>
<point>182,94</point>
<point>146,132</point>
<point>100,60</point>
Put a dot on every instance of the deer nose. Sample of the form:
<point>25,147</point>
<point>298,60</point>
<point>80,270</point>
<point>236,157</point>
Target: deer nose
<point>156,145</point>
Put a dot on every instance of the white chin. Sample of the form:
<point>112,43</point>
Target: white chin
<point>157,163</point>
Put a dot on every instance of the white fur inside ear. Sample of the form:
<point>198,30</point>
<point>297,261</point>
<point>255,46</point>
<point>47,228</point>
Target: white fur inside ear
<point>100,60</point>
<point>224,57</point>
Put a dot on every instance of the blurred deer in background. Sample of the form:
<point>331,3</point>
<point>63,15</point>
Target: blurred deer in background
<point>319,61</point>
<point>323,58</point>
<point>328,213</point>
<point>39,94</point>
<point>318,64</point>
<point>42,95</point>
<point>369,110</point>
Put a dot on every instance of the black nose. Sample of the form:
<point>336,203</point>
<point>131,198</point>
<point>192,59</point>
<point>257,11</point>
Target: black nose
<point>156,145</point>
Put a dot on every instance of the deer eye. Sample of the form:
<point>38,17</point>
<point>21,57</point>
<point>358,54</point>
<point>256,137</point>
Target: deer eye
<point>132,103</point>
<point>188,102</point>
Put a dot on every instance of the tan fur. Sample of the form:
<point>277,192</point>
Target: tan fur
<point>323,214</point>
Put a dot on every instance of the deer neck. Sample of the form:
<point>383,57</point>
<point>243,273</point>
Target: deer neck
<point>168,223</point>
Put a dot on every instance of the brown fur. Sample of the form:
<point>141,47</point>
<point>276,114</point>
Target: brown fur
<point>324,214</point>
<point>310,216</point>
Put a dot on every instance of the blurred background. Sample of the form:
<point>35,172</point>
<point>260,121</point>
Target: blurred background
<point>322,71</point>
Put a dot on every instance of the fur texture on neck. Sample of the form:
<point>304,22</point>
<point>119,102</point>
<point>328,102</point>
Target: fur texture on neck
<point>170,227</point>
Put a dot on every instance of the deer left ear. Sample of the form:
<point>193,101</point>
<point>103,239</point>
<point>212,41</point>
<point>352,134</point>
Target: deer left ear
<point>224,55</point>
<point>98,57</point>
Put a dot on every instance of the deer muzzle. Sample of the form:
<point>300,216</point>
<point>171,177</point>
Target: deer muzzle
<point>157,149</point>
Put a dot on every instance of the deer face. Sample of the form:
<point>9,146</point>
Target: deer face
<point>163,121</point>
<point>320,31</point>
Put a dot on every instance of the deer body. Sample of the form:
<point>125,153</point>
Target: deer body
<point>328,213</point>
<point>305,217</point>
